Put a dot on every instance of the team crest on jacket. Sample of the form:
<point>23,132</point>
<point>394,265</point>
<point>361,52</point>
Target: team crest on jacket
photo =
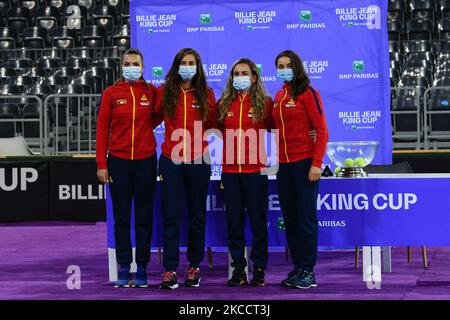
<point>121,101</point>
<point>144,100</point>
<point>195,104</point>
<point>230,114</point>
<point>290,104</point>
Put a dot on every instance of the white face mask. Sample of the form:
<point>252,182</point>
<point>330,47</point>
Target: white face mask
<point>187,72</point>
<point>132,73</point>
<point>242,83</point>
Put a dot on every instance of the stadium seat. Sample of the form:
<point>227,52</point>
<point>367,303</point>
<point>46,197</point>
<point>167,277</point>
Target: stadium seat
<point>53,81</point>
<point>8,111</point>
<point>88,4</point>
<point>6,72</point>
<point>8,38</point>
<point>415,72</point>
<point>420,29</point>
<point>109,64</point>
<point>442,82</point>
<point>63,37</point>
<point>395,30</point>
<point>8,89</point>
<point>93,36</point>
<point>106,75</point>
<point>444,29</point>
<point>5,5</point>
<point>67,73</point>
<point>38,72</point>
<point>417,46</point>
<point>48,17</point>
<point>439,101</point>
<point>121,36</point>
<point>35,38</point>
<point>114,52</point>
<point>104,16</point>
<point>31,5</point>
<point>125,13</point>
<point>49,63</point>
<point>24,82</point>
<point>79,63</point>
<point>18,18</point>
<point>86,82</point>
<point>21,65</point>
<point>94,82</point>
<point>422,9</point>
<point>444,8</point>
<point>118,4</point>
<point>31,110</point>
<point>394,46</point>
<point>59,4</point>
<point>73,101</point>
<point>40,90</point>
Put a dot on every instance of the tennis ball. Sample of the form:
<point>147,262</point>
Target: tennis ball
<point>360,162</point>
<point>349,162</point>
<point>336,171</point>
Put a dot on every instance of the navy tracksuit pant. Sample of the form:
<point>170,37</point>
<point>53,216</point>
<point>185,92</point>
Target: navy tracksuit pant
<point>298,199</point>
<point>177,180</point>
<point>132,180</point>
<point>246,190</point>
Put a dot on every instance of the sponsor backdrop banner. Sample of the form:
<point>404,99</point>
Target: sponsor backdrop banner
<point>23,190</point>
<point>76,194</point>
<point>372,212</point>
<point>48,189</point>
<point>343,45</point>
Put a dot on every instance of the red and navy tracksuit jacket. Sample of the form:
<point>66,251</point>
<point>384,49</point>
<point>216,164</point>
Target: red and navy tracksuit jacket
<point>241,158</point>
<point>125,122</point>
<point>294,119</point>
<point>187,112</point>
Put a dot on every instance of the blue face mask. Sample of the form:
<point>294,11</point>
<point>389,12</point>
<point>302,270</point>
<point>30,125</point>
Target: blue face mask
<point>132,73</point>
<point>187,72</point>
<point>285,74</point>
<point>242,83</point>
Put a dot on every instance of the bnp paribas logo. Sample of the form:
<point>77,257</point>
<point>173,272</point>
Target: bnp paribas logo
<point>305,15</point>
<point>259,68</point>
<point>280,224</point>
<point>157,72</point>
<point>358,65</point>
<point>249,28</point>
<point>205,18</point>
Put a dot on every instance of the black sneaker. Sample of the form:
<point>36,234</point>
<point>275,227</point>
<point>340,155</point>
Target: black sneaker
<point>192,277</point>
<point>169,280</point>
<point>239,278</point>
<point>258,278</point>
<point>291,275</point>
<point>304,280</point>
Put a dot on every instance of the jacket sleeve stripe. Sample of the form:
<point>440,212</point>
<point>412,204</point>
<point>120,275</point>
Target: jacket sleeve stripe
<point>315,98</point>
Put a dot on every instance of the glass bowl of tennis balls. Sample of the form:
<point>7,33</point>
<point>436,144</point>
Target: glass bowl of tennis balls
<point>350,157</point>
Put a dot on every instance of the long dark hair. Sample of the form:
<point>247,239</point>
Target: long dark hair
<point>174,81</point>
<point>301,81</point>
<point>258,93</point>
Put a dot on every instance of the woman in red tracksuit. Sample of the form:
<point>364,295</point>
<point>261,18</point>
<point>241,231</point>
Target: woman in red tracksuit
<point>125,135</point>
<point>297,110</point>
<point>245,109</point>
<point>187,106</point>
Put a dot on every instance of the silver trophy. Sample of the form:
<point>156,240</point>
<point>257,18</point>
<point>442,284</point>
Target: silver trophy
<point>350,157</point>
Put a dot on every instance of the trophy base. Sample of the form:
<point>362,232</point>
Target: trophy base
<point>352,173</point>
